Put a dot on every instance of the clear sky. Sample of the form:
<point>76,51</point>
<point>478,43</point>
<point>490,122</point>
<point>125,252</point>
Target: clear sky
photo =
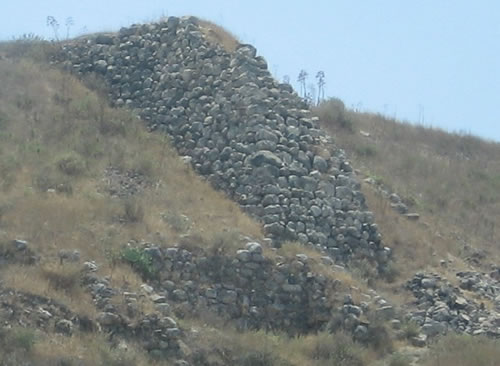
<point>431,61</point>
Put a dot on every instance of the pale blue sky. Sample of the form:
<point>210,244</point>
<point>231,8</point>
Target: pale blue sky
<point>433,61</point>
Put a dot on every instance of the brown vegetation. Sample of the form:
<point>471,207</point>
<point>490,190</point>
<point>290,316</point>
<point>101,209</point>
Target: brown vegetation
<point>218,35</point>
<point>450,179</point>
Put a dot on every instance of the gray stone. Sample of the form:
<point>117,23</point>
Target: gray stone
<point>385,312</point>
<point>180,295</point>
<point>64,326</point>
<point>265,157</point>
<point>419,340</point>
<point>104,39</point>
<point>158,299</point>
<point>20,245</point>
<point>101,66</point>
<point>433,328</point>
<point>412,216</point>
<point>243,255</point>
<point>320,164</point>
<point>169,322</point>
<point>254,247</point>
<point>428,283</point>
<point>108,319</point>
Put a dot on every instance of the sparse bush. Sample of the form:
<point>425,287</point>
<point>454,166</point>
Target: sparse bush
<point>143,166</point>
<point>332,112</point>
<point>222,241</point>
<point>5,207</point>
<point>71,164</point>
<point>112,127</point>
<point>30,45</point>
<point>410,329</point>
<point>336,349</point>
<point>3,120</point>
<point>364,268</point>
<point>257,358</point>
<point>17,339</point>
<point>8,169</point>
<point>398,359</point>
<point>48,177</point>
<point>133,210</point>
<point>179,223</point>
<point>378,338</point>
<point>62,278</point>
<point>366,151</point>
<point>389,272</point>
<point>139,260</point>
<point>218,35</point>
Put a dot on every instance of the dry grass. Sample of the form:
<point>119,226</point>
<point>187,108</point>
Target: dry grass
<point>58,283</point>
<point>454,350</point>
<point>38,128</point>
<point>216,34</point>
<point>225,345</point>
<point>85,349</point>
<point>57,138</point>
<point>452,180</point>
<point>347,281</point>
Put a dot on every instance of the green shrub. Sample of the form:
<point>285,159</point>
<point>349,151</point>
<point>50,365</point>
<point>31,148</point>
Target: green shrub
<point>71,164</point>
<point>46,178</point>
<point>366,151</point>
<point>180,223</point>
<point>17,339</point>
<point>141,261</point>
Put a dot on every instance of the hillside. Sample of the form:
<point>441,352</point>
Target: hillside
<point>449,179</point>
<point>165,201</point>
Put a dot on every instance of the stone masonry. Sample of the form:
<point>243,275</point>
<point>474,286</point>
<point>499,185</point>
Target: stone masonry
<point>248,134</point>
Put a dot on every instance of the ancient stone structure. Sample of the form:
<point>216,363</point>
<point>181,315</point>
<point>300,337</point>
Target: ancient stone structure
<point>249,135</point>
<point>442,307</point>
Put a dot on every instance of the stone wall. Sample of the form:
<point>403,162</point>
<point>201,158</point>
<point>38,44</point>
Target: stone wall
<point>259,291</point>
<point>249,135</point>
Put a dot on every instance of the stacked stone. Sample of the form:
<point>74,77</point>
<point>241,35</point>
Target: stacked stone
<point>442,306</point>
<point>251,136</point>
<point>247,287</point>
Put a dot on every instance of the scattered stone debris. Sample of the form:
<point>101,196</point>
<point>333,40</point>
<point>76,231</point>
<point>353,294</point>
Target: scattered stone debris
<point>118,183</point>
<point>441,307</point>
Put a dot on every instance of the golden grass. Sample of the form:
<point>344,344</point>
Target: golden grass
<point>216,34</point>
<point>90,349</point>
<point>223,343</point>
<point>463,350</point>
<point>452,180</point>
<point>47,118</point>
<point>55,283</point>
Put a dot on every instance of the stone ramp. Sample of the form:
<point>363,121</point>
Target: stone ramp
<point>248,134</point>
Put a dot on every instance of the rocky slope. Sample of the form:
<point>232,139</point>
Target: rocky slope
<point>251,136</point>
<point>110,243</point>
